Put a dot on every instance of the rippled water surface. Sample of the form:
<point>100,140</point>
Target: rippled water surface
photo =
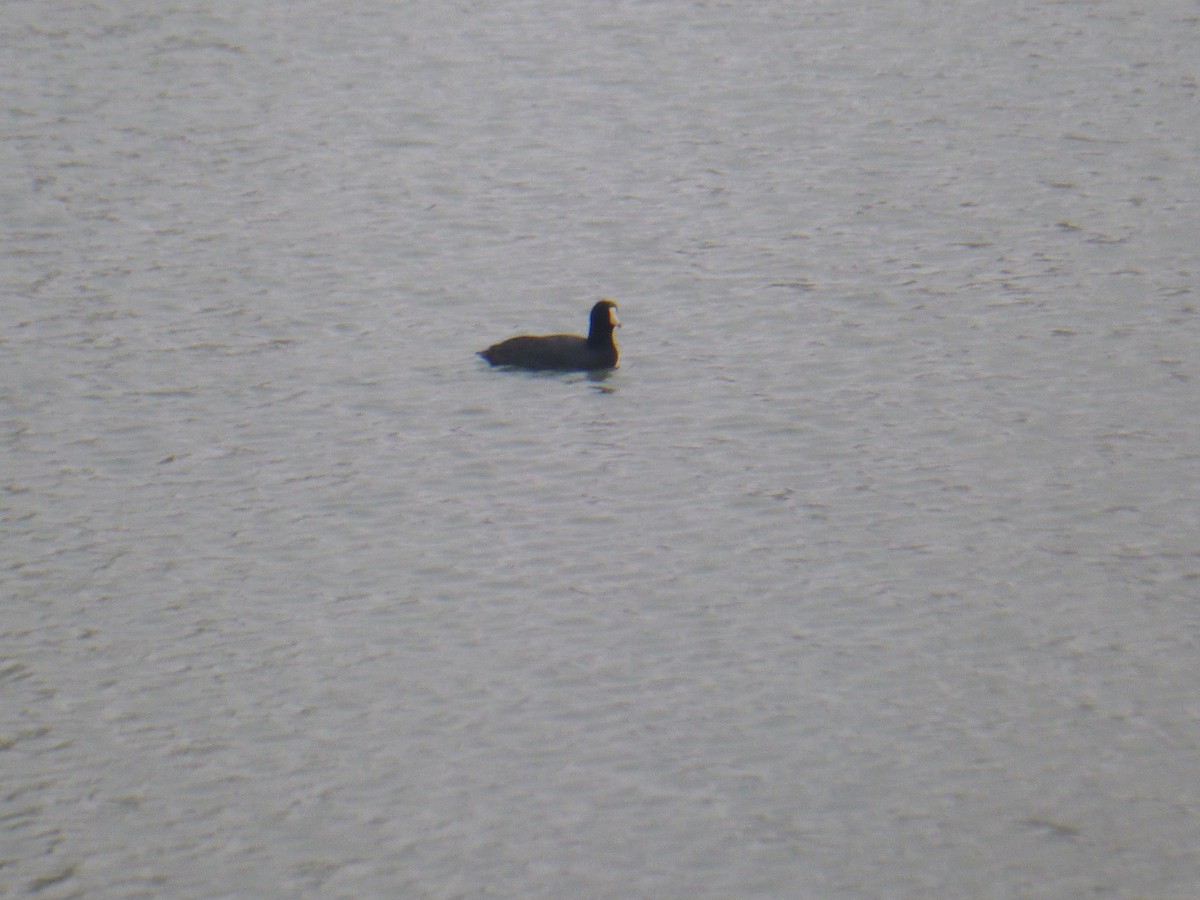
<point>872,572</point>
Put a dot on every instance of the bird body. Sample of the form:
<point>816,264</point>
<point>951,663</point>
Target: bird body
<point>563,352</point>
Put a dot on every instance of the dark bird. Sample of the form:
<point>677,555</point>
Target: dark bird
<point>563,352</point>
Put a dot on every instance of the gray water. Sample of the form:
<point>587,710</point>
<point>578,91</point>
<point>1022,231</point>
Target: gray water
<point>871,573</point>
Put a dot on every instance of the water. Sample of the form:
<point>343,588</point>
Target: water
<point>871,573</point>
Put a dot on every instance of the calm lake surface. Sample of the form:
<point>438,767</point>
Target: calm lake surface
<point>871,573</point>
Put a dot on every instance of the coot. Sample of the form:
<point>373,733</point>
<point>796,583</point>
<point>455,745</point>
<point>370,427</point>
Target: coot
<point>564,352</point>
